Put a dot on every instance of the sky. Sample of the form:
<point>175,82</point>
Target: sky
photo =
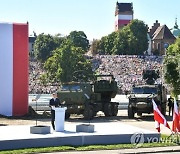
<point>95,17</point>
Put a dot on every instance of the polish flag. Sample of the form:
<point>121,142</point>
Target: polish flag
<point>159,117</point>
<point>176,118</point>
<point>157,126</point>
<point>13,69</point>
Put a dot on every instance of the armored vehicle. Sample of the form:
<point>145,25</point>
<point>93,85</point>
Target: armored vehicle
<point>88,98</point>
<point>140,100</point>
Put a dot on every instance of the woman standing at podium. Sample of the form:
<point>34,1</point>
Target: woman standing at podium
<point>54,102</point>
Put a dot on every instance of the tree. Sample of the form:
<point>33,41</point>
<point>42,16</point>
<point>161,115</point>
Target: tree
<point>121,43</point>
<point>59,40</point>
<point>95,46</point>
<point>65,61</point>
<point>45,44</point>
<point>137,34</point>
<point>172,67</point>
<point>131,40</point>
<point>109,43</point>
<point>101,49</point>
<point>174,49</point>
<point>79,39</point>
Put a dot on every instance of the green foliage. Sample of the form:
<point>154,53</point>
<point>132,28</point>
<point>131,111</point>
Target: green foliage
<point>101,49</point>
<point>121,43</point>
<point>109,43</point>
<point>174,49</point>
<point>131,40</point>
<point>38,150</point>
<point>172,67</point>
<point>138,42</point>
<point>43,79</point>
<point>79,39</point>
<point>65,61</point>
<point>172,73</point>
<point>58,40</point>
<point>95,46</point>
<point>62,56</point>
<point>45,44</point>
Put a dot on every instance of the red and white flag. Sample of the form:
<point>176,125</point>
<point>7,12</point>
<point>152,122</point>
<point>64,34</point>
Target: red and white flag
<point>159,117</point>
<point>14,69</point>
<point>176,118</point>
<point>157,125</point>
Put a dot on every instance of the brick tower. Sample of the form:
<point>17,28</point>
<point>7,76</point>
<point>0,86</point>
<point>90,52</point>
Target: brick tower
<point>123,14</point>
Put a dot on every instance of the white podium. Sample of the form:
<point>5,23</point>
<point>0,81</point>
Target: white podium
<point>59,118</point>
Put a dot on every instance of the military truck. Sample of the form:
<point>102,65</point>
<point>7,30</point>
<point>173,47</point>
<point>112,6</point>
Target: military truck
<point>88,98</point>
<point>140,100</point>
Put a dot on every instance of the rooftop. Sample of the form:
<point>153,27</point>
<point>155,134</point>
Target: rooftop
<point>124,7</point>
<point>162,32</point>
<point>32,39</point>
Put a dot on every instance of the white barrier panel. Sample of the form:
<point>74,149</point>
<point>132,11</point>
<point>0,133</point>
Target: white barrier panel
<point>59,118</point>
<point>13,69</point>
<point>124,17</point>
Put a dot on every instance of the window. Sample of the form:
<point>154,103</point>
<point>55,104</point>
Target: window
<point>145,90</point>
<point>159,47</point>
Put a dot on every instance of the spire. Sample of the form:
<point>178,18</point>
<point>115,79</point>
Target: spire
<point>176,25</point>
<point>117,8</point>
<point>34,34</point>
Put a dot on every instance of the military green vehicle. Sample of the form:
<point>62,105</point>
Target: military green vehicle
<point>140,100</point>
<point>88,98</point>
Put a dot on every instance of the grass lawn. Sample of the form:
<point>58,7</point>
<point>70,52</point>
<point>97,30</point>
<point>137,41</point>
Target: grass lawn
<point>165,141</point>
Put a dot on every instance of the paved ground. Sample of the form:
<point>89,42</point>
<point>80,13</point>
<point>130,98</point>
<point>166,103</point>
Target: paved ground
<point>146,121</point>
<point>158,150</point>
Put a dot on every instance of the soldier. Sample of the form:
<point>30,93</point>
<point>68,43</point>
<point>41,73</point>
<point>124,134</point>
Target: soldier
<point>171,105</point>
<point>54,102</point>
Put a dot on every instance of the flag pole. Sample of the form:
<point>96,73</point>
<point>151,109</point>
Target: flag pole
<point>158,116</point>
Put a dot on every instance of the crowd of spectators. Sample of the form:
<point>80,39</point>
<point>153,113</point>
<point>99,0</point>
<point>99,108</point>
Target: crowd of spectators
<point>35,84</point>
<point>127,69</point>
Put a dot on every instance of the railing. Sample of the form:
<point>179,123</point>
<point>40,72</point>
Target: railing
<point>42,101</point>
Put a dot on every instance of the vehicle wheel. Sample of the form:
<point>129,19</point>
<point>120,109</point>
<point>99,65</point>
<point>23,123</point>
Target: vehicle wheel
<point>130,112</point>
<point>114,108</point>
<point>139,114</point>
<point>95,113</point>
<point>107,109</point>
<point>67,115</point>
<point>88,112</point>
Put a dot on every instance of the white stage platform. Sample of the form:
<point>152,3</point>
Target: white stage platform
<point>17,137</point>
